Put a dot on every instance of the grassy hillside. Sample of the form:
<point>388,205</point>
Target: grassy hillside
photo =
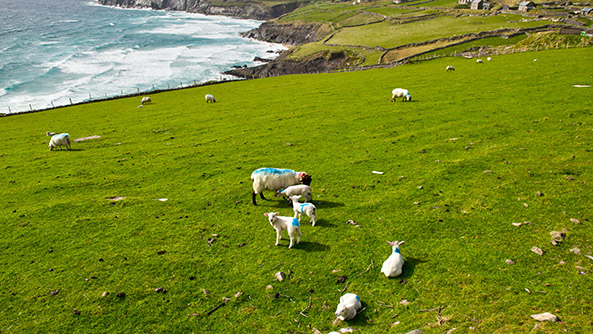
<point>478,149</point>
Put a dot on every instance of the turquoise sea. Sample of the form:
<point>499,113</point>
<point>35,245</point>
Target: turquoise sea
<point>52,51</point>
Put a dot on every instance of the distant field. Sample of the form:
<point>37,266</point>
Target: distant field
<point>476,151</point>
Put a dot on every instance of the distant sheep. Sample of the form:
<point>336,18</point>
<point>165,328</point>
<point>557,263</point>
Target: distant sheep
<point>306,208</point>
<point>479,61</point>
<point>274,179</point>
<point>301,189</point>
<point>63,139</point>
<point>146,99</point>
<point>392,267</point>
<point>489,58</point>
<point>348,307</point>
<point>210,98</point>
<point>291,225</point>
<point>400,92</point>
<point>450,68</point>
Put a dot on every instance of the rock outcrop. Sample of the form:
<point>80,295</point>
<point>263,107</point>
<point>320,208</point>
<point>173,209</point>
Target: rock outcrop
<point>248,10</point>
<point>288,34</point>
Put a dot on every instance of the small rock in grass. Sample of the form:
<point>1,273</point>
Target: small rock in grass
<point>105,294</point>
<point>238,294</point>
<point>76,312</point>
<point>576,251</point>
<point>509,261</point>
<point>404,302</point>
<point>562,263</point>
<point>545,317</point>
<point>160,290</point>
<point>557,237</point>
<point>574,220</point>
<point>269,287</point>
<point>226,299</point>
<point>526,205</point>
<point>346,330</point>
<point>241,244</point>
<point>537,250</point>
<point>206,292</point>
<point>121,295</point>
<point>315,331</point>
<point>487,171</point>
<point>342,279</point>
<point>54,292</point>
<point>394,324</point>
<point>539,193</point>
<point>416,331</point>
<point>280,276</point>
<point>517,224</point>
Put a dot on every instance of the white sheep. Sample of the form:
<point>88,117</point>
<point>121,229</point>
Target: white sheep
<point>348,306</point>
<point>63,139</point>
<point>489,58</point>
<point>210,98</point>
<point>300,189</point>
<point>450,68</point>
<point>479,61</point>
<point>392,267</point>
<point>400,92</point>
<point>273,179</point>
<point>300,208</point>
<point>291,225</point>
<point>145,99</point>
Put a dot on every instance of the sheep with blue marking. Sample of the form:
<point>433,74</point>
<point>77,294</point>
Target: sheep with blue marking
<point>290,224</point>
<point>210,98</point>
<point>300,189</point>
<point>400,92</point>
<point>348,307</point>
<point>306,208</point>
<point>392,267</point>
<point>59,140</point>
<point>273,179</point>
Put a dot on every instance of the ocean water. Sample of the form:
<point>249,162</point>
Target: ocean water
<point>52,51</point>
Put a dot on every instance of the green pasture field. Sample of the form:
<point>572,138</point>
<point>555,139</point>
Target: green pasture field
<point>477,149</point>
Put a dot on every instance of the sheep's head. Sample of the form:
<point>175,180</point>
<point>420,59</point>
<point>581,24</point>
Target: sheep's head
<point>295,198</point>
<point>345,313</point>
<point>278,192</point>
<point>395,244</point>
<point>306,179</point>
<point>408,97</point>
<point>271,216</point>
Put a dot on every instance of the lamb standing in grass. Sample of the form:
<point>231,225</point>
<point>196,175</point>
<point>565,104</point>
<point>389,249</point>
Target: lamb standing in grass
<point>392,267</point>
<point>450,68</point>
<point>210,98</point>
<point>145,99</point>
<point>348,306</point>
<point>300,208</point>
<point>63,139</point>
<point>301,189</point>
<point>479,61</point>
<point>400,92</point>
<point>273,179</point>
<point>291,225</point>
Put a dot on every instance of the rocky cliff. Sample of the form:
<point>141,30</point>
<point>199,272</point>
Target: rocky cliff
<point>246,10</point>
<point>289,34</point>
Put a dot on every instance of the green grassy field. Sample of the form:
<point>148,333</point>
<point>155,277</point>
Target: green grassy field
<point>462,162</point>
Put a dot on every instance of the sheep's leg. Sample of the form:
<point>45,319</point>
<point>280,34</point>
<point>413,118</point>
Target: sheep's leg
<point>262,195</point>
<point>313,219</point>
<point>278,237</point>
<point>298,235</point>
<point>253,198</point>
<point>291,240</point>
<point>295,214</point>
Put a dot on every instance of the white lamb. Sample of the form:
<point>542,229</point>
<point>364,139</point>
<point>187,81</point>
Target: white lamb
<point>479,61</point>
<point>400,92</point>
<point>300,208</point>
<point>274,179</point>
<point>450,68</point>
<point>300,189</point>
<point>489,58</point>
<point>63,139</point>
<point>145,99</point>
<point>291,225</point>
<point>348,306</point>
<point>392,267</point>
<point>210,98</point>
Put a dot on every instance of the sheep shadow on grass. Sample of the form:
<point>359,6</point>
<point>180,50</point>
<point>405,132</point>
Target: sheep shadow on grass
<point>410,264</point>
<point>311,246</point>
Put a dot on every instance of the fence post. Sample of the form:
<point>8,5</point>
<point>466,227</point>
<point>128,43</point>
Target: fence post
<point>9,111</point>
<point>52,104</point>
<point>30,107</point>
<point>70,101</point>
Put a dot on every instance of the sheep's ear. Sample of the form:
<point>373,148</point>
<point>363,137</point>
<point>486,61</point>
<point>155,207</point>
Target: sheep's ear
<point>277,213</point>
<point>401,243</point>
<point>265,214</point>
<point>390,243</point>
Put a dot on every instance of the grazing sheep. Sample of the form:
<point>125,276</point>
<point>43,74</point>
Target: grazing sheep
<point>348,306</point>
<point>210,98</point>
<point>301,189</point>
<point>450,68</point>
<point>273,179</point>
<point>479,61</point>
<point>392,267</point>
<point>63,139</point>
<point>308,208</point>
<point>400,92</point>
<point>489,58</point>
<point>145,99</point>
<point>279,223</point>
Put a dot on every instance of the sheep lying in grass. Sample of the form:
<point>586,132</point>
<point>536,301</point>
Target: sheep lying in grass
<point>392,267</point>
<point>63,139</point>
<point>301,189</point>
<point>145,99</point>
<point>273,179</point>
<point>450,68</point>
<point>479,61</point>
<point>210,98</point>
<point>300,208</point>
<point>348,306</point>
<point>291,225</point>
<point>400,92</point>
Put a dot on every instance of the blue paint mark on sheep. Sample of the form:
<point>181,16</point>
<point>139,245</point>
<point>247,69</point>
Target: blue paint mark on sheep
<point>303,207</point>
<point>357,298</point>
<point>397,251</point>
<point>295,222</point>
<point>272,171</point>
